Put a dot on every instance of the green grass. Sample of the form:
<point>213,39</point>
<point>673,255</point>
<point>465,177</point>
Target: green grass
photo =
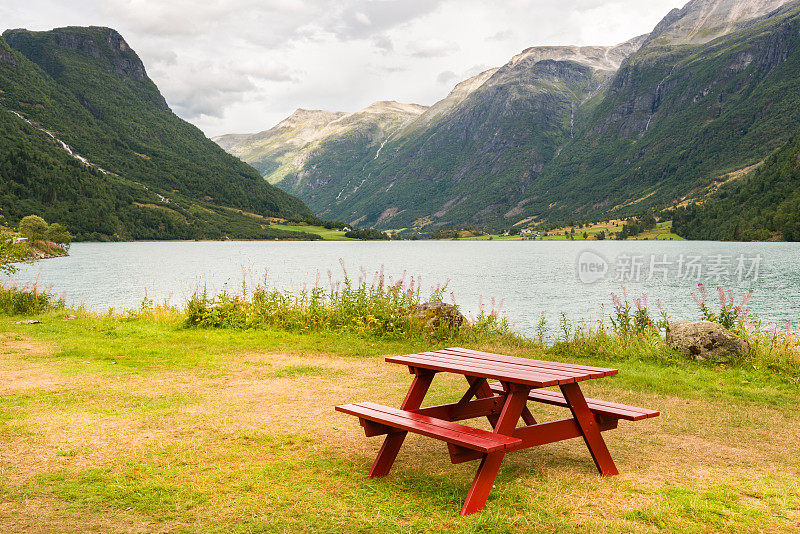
<point>132,423</point>
<point>325,233</point>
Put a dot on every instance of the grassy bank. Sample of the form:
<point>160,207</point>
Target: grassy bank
<point>328,234</point>
<point>219,418</point>
<point>135,424</point>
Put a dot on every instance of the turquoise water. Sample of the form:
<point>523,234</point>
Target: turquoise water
<point>531,277</point>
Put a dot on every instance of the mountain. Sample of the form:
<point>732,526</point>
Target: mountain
<point>702,21</point>
<point>316,153</point>
<point>89,141</point>
<point>678,117</point>
<point>560,134</point>
<point>463,153</point>
<point>762,205</point>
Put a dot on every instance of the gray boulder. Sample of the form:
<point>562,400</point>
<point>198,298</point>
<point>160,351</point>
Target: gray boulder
<point>432,315</point>
<point>704,340</point>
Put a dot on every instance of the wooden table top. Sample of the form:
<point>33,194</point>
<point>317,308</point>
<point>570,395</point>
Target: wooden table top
<point>535,373</point>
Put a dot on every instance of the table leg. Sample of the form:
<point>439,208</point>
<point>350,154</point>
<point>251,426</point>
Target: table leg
<point>393,442</point>
<point>483,392</point>
<point>490,464</point>
<point>588,426</point>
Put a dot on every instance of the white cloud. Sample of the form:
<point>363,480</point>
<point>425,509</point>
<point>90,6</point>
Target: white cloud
<point>446,77</point>
<point>432,48</point>
<point>242,65</point>
<point>363,19</point>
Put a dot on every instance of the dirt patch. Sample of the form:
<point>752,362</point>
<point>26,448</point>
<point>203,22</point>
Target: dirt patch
<point>19,375</point>
<point>41,514</point>
<point>13,345</point>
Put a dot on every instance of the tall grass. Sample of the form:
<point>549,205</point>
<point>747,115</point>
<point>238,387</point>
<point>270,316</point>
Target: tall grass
<point>382,307</point>
<point>27,300</point>
<point>636,331</point>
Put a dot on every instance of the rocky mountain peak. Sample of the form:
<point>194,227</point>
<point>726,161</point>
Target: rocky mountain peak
<point>607,58</point>
<point>701,21</point>
<point>459,93</point>
<point>309,117</point>
<point>394,107</point>
<point>99,42</point>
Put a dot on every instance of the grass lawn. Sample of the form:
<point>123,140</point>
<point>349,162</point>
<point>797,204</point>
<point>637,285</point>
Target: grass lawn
<point>328,235</point>
<point>135,425</point>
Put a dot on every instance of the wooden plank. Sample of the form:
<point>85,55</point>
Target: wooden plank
<point>611,409</point>
<point>475,408</point>
<point>471,438</point>
<point>459,455</point>
<point>509,367</point>
<point>527,378</point>
<point>532,365</point>
<point>485,393</point>
<point>543,393</point>
<point>448,425</point>
<point>553,431</point>
<point>555,365</point>
<point>473,388</point>
<point>519,363</point>
<point>372,428</point>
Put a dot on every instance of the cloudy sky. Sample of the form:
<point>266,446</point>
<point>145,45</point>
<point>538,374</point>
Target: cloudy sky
<point>243,65</point>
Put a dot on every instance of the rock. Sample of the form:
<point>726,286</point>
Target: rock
<point>704,340</point>
<point>29,321</point>
<point>432,315</point>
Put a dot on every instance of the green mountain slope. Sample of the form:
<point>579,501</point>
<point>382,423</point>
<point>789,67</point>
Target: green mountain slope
<point>150,174</point>
<point>678,117</point>
<point>763,205</point>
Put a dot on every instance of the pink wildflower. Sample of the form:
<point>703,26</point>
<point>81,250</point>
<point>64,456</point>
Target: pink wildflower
<point>746,299</point>
<point>722,299</point>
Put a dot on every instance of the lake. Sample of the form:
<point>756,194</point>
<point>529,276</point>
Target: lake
<point>531,277</point>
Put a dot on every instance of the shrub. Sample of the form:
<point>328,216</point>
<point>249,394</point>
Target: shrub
<point>381,308</point>
<point>58,234</point>
<point>27,300</point>
<point>33,227</point>
<point>635,332</point>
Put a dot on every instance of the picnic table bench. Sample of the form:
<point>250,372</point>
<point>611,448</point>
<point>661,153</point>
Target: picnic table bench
<point>503,403</point>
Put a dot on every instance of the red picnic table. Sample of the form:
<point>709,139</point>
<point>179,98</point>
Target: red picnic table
<point>504,402</point>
